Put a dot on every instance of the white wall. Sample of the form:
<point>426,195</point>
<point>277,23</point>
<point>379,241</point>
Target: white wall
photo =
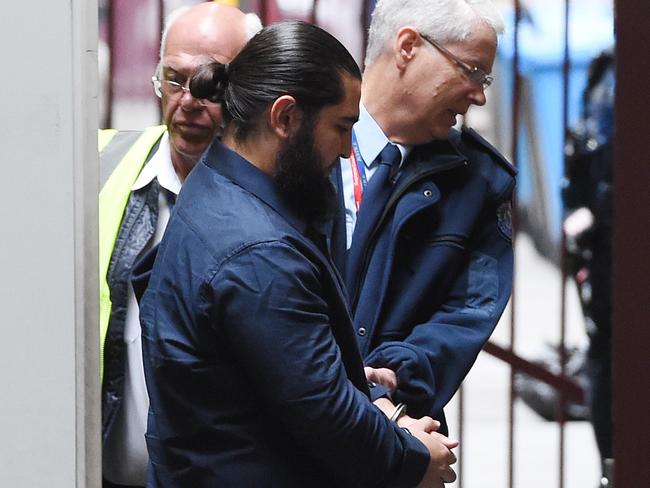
<point>49,414</point>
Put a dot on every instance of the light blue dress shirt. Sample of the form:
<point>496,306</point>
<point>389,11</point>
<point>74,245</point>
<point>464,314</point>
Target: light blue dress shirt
<point>371,140</point>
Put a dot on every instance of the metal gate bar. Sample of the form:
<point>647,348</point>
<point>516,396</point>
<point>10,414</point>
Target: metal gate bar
<point>516,87</point>
<point>561,407</point>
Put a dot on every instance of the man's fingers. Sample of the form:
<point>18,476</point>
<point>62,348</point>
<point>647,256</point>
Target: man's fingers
<point>406,421</point>
<point>428,425</point>
<point>448,475</point>
<point>383,376</point>
<point>451,458</point>
<point>449,443</point>
<point>446,441</point>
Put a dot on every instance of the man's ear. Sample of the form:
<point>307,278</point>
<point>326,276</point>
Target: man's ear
<point>407,42</point>
<point>285,116</point>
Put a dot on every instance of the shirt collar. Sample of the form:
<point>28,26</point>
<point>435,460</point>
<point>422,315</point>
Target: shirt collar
<point>159,166</point>
<point>230,164</point>
<point>371,138</point>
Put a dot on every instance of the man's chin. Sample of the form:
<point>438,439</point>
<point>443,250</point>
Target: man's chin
<point>191,136</point>
<point>189,149</point>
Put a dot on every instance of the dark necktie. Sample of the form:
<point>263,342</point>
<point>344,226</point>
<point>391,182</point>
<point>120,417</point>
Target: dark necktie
<point>373,203</point>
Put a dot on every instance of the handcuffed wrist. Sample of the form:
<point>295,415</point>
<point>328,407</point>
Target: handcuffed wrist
<point>400,410</point>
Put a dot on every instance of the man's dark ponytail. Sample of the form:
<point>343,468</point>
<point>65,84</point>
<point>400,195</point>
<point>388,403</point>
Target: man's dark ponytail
<point>210,81</point>
<point>286,58</point>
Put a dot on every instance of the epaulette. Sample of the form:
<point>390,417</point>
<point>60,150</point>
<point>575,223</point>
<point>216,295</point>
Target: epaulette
<point>471,136</point>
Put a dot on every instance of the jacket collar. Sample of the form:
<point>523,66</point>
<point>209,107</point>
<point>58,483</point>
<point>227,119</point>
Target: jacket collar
<point>435,156</point>
<point>159,167</point>
<point>440,151</point>
<point>234,167</point>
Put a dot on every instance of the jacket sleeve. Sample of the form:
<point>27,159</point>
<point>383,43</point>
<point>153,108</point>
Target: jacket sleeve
<point>435,355</point>
<point>269,302</point>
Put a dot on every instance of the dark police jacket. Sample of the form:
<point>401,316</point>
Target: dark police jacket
<point>446,273</point>
<point>252,366</point>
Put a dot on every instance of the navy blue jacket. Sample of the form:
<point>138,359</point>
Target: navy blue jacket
<point>252,366</point>
<point>445,275</point>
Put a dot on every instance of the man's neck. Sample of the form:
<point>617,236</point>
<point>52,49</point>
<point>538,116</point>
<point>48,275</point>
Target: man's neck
<point>384,106</point>
<point>183,164</point>
<point>259,151</point>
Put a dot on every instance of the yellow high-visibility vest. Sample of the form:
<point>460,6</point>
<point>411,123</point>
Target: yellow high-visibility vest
<point>122,156</point>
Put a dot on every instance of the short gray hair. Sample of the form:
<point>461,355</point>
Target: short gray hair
<point>253,25</point>
<point>443,20</point>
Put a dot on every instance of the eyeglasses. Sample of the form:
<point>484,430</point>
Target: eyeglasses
<point>474,73</point>
<point>174,89</point>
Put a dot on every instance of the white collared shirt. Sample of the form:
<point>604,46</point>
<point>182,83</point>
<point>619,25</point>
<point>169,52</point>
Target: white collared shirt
<point>160,166</point>
<point>125,457</point>
<point>370,140</point>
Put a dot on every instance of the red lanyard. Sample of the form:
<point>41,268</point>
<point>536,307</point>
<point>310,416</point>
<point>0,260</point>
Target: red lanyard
<point>357,166</point>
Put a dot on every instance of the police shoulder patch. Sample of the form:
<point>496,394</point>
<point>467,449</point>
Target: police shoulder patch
<point>504,220</point>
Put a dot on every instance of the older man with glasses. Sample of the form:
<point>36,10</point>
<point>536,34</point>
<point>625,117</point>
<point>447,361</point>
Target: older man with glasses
<point>142,171</point>
<point>424,238</point>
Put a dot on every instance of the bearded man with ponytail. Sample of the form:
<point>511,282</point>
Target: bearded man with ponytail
<point>252,367</point>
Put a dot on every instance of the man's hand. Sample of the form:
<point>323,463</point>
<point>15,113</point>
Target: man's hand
<point>439,446</point>
<point>382,376</point>
<point>439,471</point>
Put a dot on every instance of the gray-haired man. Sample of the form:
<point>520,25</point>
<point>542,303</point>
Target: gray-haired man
<point>427,251</point>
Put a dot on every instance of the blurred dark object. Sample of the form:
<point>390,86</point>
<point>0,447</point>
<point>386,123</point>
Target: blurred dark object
<point>543,398</point>
<point>587,195</point>
<point>587,224</point>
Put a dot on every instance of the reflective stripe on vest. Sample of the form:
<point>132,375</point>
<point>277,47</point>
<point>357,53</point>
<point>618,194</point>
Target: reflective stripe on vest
<point>114,151</point>
<point>104,136</point>
<point>121,160</point>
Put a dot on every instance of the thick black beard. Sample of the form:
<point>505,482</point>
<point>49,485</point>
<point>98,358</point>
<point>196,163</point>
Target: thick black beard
<point>300,177</point>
